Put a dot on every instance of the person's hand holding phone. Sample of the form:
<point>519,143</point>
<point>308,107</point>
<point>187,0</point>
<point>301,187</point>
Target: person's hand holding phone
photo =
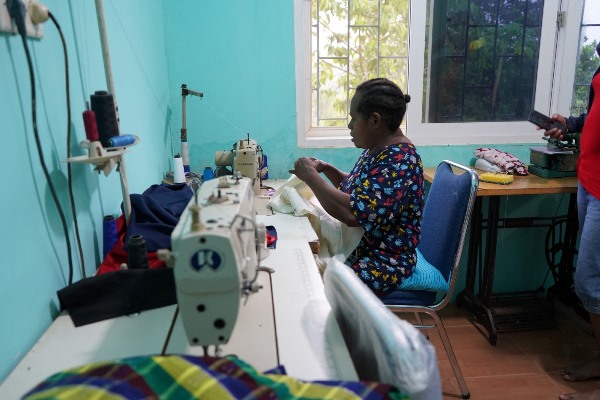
<point>557,132</point>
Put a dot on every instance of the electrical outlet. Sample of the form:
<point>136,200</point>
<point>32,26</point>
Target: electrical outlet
<point>8,25</point>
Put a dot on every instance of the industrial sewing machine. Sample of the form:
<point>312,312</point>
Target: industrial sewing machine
<point>216,249</point>
<point>558,159</point>
<point>245,158</point>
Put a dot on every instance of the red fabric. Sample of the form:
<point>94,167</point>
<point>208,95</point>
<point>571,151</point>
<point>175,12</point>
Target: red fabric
<point>117,255</point>
<point>270,239</point>
<point>589,158</point>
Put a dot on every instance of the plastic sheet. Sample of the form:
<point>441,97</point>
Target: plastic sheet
<point>383,347</point>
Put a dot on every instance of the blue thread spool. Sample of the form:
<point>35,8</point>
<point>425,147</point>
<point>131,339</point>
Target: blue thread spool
<point>110,235</point>
<point>121,141</point>
<point>208,174</point>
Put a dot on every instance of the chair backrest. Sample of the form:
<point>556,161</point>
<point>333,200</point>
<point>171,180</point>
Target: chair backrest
<point>446,216</point>
<point>383,347</point>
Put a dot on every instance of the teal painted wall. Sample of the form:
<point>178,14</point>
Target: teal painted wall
<point>240,54</point>
<point>33,246</point>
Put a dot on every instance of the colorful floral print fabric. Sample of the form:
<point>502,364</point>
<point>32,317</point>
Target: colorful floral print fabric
<point>387,198</point>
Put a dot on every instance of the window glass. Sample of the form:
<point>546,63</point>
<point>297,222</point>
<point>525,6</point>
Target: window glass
<point>484,57</point>
<point>353,41</point>
<point>474,68</point>
<point>587,63</point>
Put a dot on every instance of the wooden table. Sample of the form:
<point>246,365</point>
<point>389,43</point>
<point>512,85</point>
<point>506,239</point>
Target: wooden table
<point>485,307</point>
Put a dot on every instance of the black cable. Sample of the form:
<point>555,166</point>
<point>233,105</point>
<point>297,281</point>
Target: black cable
<point>41,155</point>
<point>69,176</point>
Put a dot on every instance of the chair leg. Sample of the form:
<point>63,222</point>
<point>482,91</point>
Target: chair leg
<point>464,392</point>
<point>418,318</point>
<point>419,322</point>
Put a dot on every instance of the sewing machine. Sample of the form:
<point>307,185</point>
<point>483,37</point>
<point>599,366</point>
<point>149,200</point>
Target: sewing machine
<point>556,160</point>
<point>246,158</point>
<point>216,249</point>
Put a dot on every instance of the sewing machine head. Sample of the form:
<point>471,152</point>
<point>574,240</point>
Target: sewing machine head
<point>246,159</point>
<point>216,248</point>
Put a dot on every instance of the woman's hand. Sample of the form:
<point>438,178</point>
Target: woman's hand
<point>304,167</point>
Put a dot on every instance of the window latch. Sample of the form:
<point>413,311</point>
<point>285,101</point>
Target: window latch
<point>561,18</point>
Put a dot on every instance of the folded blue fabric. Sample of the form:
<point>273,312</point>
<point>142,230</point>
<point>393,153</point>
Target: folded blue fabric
<point>425,277</point>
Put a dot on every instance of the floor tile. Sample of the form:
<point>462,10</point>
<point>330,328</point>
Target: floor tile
<point>513,387</point>
<point>523,365</point>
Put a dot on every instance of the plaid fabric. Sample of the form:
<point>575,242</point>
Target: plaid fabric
<point>188,377</point>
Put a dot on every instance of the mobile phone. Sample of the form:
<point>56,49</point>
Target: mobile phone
<point>544,121</point>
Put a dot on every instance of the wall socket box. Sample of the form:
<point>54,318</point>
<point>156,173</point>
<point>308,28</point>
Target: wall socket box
<point>8,25</point>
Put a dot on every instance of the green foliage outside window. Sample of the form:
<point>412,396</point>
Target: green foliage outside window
<point>480,63</point>
<point>586,65</point>
<point>353,41</point>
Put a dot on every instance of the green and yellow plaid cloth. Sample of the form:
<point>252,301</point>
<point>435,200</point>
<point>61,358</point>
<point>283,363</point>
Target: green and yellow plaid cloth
<point>189,377</point>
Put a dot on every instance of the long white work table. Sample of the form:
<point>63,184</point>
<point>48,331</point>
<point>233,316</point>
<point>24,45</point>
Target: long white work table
<point>288,322</point>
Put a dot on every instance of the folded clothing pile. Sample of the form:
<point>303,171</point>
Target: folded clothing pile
<point>507,162</point>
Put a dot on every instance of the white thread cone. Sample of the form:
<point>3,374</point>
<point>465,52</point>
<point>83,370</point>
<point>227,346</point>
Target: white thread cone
<point>178,172</point>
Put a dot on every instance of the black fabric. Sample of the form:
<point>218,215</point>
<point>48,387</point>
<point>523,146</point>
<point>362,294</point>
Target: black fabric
<point>118,293</point>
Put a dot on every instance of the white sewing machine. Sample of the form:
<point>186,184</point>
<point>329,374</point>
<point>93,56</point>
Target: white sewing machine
<point>246,157</point>
<point>216,249</point>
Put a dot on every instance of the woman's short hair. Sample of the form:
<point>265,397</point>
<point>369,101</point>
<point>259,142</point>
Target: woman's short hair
<point>384,97</point>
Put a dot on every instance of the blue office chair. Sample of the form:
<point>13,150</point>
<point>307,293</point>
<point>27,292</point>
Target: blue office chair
<point>446,217</point>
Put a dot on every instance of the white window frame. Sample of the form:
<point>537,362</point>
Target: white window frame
<point>554,80</point>
<point>565,65</point>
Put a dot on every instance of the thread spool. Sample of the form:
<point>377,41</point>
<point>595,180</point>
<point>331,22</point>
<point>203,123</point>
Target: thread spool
<point>137,256</point>
<point>121,141</point>
<point>208,174</point>
<point>103,106</point>
<point>178,171</point>
<point>185,156</point>
<point>91,128</point>
<point>109,234</point>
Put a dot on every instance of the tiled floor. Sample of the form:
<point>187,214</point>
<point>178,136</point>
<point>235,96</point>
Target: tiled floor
<point>523,365</point>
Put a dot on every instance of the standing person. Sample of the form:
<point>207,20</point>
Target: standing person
<point>587,273</point>
<point>384,191</point>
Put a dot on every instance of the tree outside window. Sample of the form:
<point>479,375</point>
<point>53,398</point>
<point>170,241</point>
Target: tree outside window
<point>476,67</point>
<point>352,41</point>
<point>587,61</point>
<point>484,57</point>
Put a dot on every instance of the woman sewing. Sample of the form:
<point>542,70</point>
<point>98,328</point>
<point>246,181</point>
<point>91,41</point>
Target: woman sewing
<point>384,191</point>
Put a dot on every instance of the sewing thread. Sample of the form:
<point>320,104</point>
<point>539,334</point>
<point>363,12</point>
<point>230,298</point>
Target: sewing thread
<point>137,256</point>
<point>178,171</point>
<point>109,235</point>
<point>103,106</point>
<point>121,141</point>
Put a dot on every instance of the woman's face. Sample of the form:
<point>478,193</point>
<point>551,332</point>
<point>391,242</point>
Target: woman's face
<point>358,125</point>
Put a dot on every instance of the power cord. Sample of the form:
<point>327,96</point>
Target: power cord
<point>40,14</point>
<point>69,173</point>
<point>17,11</point>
